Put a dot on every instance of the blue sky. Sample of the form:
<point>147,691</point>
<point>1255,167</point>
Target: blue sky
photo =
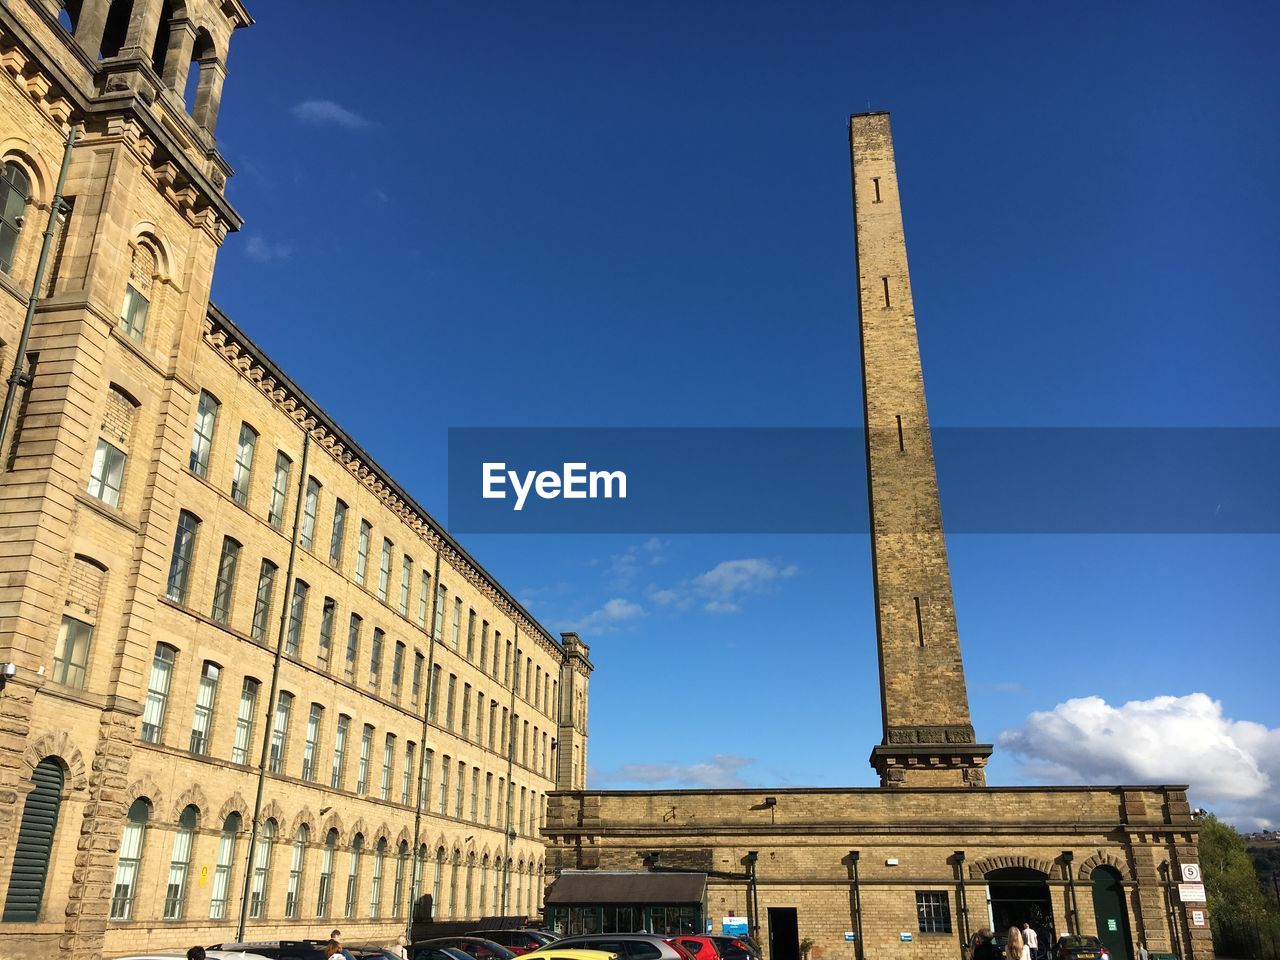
<point>637,214</point>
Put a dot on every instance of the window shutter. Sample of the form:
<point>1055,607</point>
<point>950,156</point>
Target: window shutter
<point>35,843</point>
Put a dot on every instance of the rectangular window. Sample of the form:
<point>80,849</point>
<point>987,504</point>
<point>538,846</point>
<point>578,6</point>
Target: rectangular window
<point>362,551</point>
<point>433,697</point>
<point>202,435</point>
<point>375,658</point>
<point>311,507</point>
<point>384,570</point>
<point>406,778</point>
<point>157,693</point>
<point>479,718</point>
<point>262,601</point>
<point>353,645</point>
<point>488,797</point>
<point>297,614</point>
<point>457,621</point>
<point>339,532</point>
<point>438,626</point>
<point>465,727</point>
<point>366,748</point>
<point>397,670</point>
<point>243,470</point>
<point>388,763</point>
<point>133,314</point>
<point>493,723</point>
<point>419,664</point>
<point>460,790</point>
<point>279,490</point>
<point>475,794</point>
<point>424,597</point>
<point>244,721</point>
<point>497,643</point>
<point>280,732</point>
<point>184,547</point>
<point>448,704</point>
<point>202,720</point>
<point>933,911</point>
<point>107,476</point>
<point>424,788</point>
<point>444,785</point>
<point>406,573</point>
<point>72,660</point>
<point>484,644</point>
<point>326,629</point>
<point>309,749</point>
<point>471,635</point>
<point>225,583</point>
<point>339,752</point>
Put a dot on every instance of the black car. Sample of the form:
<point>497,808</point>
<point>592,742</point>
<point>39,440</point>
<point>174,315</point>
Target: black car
<point>1080,948</point>
<point>736,948</point>
<point>476,948</point>
<point>523,940</point>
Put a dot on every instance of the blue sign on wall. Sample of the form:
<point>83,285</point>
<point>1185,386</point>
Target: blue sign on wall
<point>733,926</point>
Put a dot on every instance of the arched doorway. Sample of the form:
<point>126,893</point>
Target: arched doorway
<point>1111,913</point>
<point>1018,895</point>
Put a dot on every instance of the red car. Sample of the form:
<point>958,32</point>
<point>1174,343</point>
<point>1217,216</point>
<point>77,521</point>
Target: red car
<point>517,941</point>
<point>702,948</point>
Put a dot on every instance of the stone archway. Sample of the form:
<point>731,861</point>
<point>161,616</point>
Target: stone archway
<point>1018,895</point>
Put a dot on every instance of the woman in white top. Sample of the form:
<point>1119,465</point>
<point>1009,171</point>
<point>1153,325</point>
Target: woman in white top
<point>1016,948</point>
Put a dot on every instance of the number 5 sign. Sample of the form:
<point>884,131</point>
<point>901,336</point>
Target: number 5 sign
<point>1191,873</point>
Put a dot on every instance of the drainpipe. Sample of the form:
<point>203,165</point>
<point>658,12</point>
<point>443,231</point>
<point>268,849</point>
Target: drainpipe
<point>269,729</point>
<point>511,759</point>
<point>1072,906</point>
<point>422,747</point>
<point>753,902</point>
<point>962,899</point>
<point>857,906</point>
<point>18,377</point>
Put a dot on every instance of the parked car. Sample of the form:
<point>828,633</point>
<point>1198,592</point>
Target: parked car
<point>519,941</point>
<point>702,948</point>
<point>277,949</point>
<point>553,951</point>
<point>628,946</point>
<point>437,953</point>
<point>736,948</point>
<point>209,954</point>
<point>1077,947</point>
<point>476,948</point>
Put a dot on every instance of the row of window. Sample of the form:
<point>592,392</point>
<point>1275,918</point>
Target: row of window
<point>540,688</point>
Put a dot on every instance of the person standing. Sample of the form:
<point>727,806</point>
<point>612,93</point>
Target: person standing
<point>983,948</point>
<point>195,953</point>
<point>1032,940</point>
<point>1142,951</point>
<point>1016,948</point>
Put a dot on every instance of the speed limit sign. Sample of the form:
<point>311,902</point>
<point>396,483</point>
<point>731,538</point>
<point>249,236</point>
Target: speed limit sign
<point>1191,873</point>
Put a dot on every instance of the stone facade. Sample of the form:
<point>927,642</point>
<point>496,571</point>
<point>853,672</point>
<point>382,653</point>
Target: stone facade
<point>150,569</point>
<point>911,869</point>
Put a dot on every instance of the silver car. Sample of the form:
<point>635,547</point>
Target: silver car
<point>628,946</point>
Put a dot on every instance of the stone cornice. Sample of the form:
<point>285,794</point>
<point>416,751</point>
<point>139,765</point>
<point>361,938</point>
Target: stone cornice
<point>223,336</point>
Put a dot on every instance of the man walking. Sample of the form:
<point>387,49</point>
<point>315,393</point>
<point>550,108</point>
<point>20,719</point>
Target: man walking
<point>1032,941</point>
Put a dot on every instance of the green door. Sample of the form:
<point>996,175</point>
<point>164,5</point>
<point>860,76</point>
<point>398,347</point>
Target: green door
<point>1112,917</point>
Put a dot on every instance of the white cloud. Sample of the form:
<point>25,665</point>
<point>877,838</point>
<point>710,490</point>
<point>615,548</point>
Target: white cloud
<point>721,588</point>
<point>329,113</point>
<point>1232,766</point>
<point>721,771</point>
<point>626,566</point>
<point>264,251</point>
<point>613,612</point>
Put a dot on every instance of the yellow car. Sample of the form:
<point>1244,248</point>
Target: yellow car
<point>552,952</point>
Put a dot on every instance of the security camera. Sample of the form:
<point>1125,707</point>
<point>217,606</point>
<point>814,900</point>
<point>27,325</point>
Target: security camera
<point>10,669</point>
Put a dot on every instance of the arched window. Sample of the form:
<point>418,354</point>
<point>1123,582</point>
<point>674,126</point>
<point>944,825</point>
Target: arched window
<point>519,885</point>
<point>436,912</point>
<point>484,880</point>
<point>69,15</point>
<point>297,865</point>
<point>470,880</point>
<point>353,875</point>
<point>419,875</point>
<point>35,843</point>
<point>202,52</point>
<point>137,293</point>
<point>325,896</point>
<point>15,190</point>
<point>375,884</point>
<point>261,871</point>
<point>116,29</point>
<point>402,858</point>
<point>454,862</point>
<point>175,896</point>
<point>202,719</point>
<point>126,885</point>
<point>222,868</point>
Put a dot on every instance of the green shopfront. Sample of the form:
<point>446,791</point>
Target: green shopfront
<point>594,901</point>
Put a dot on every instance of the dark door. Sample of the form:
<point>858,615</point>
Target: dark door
<point>784,934</point>
<point>1109,909</point>
<point>35,842</point>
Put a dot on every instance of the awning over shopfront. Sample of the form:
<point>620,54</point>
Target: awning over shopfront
<point>582,887</point>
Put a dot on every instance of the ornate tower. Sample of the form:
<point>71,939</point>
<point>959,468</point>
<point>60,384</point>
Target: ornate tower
<point>928,737</point>
<point>571,726</point>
